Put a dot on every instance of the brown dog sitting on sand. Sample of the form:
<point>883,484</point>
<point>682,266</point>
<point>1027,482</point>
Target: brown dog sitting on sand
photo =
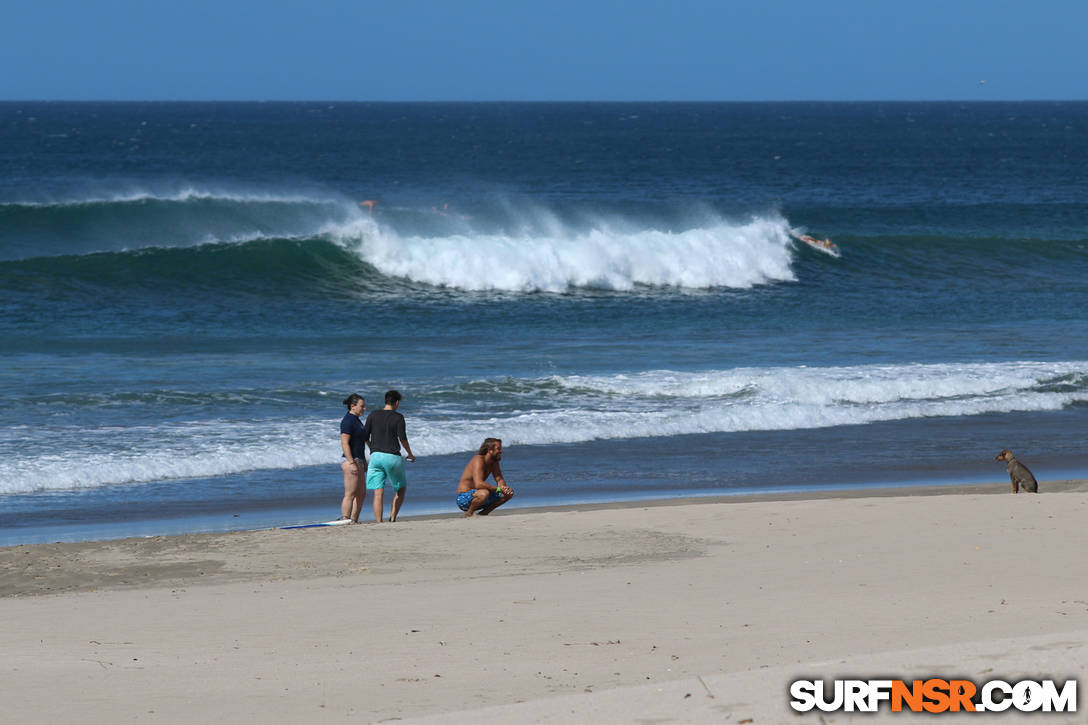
<point>1019,473</point>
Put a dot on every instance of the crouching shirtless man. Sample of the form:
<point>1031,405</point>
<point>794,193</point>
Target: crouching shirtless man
<point>474,493</point>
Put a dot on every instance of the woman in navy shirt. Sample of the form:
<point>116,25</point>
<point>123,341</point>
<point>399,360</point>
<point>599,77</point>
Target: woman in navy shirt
<point>353,445</point>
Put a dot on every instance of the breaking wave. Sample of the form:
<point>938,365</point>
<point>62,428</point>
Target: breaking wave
<point>661,404</point>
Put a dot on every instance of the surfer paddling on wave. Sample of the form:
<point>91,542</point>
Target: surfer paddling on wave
<point>474,493</point>
<point>826,243</point>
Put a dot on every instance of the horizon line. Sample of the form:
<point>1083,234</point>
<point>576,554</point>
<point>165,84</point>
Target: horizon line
<point>541,101</point>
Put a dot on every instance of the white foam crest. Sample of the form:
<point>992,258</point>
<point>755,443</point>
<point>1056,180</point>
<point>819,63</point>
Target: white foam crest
<point>657,404</point>
<point>205,449</point>
<point>577,426</point>
<point>669,403</point>
<point>557,258</point>
<point>866,384</point>
<point>182,194</point>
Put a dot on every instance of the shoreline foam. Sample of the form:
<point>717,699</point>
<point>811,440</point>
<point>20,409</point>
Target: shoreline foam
<point>213,523</point>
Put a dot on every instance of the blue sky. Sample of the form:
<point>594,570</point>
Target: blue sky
<point>557,50</point>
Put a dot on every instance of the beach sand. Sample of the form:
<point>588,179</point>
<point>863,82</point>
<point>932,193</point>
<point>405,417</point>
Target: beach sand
<point>701,611</point>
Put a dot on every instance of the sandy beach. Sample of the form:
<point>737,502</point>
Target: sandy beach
<point>701,611</point>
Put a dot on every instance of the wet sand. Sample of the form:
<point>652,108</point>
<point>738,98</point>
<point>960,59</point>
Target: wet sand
<point>692,611</point>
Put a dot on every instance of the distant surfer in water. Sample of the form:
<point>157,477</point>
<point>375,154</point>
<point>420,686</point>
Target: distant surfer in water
<point>446,211</point>
<point>826,242</point>
<point>474,493</point>
<point>353,445</point>
<point>384,431</point>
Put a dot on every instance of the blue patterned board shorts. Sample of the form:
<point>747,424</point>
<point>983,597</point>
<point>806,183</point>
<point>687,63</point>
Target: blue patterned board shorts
<point>385,468</point>
<point>464,500</point>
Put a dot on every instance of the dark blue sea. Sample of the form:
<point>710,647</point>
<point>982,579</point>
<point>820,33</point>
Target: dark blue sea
<point>188,291</point>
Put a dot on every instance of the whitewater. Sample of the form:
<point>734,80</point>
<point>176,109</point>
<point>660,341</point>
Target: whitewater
<point>538,412</point>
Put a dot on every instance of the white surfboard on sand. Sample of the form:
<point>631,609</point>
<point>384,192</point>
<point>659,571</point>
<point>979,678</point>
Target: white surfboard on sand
<point>338,522</point>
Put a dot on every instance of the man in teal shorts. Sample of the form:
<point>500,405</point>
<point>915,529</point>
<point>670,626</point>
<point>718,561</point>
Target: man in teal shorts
<point>384,432</point>
<point>474,493</point>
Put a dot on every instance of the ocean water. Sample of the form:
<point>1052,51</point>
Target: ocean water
<point>188,291</point>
